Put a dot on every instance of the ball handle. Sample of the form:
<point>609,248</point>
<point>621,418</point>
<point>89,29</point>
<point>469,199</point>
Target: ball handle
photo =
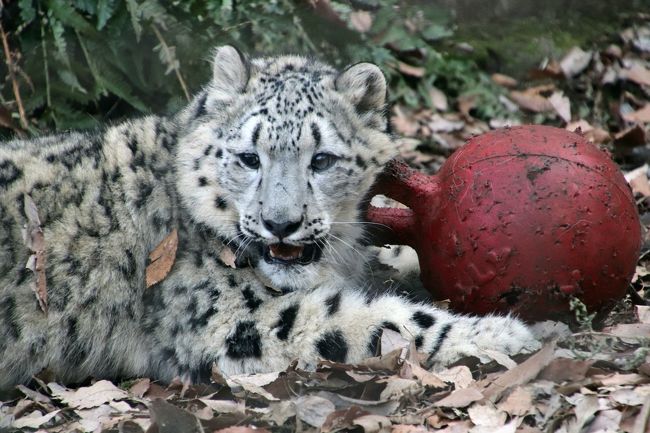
<point>418,191</point>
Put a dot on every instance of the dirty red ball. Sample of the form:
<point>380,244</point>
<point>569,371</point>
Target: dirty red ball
<point>518,220</point>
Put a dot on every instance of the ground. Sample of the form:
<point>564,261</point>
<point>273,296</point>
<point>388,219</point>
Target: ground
<point>594,377</point>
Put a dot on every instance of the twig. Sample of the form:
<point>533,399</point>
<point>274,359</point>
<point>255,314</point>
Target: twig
<point>45,64</point>
<point>165,47</point>
<point>12,76</point>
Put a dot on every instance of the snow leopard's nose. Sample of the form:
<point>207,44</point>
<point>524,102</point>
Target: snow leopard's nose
<point>282,229</point>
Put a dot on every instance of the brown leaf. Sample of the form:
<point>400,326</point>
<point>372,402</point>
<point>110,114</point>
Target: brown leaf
<point>575,61</point>
<point>504,80</point>
<point>521,374</point>
<point>460,398</point>
<point>629,330</point>
<point>561,105</point>
<point>639,116</point>
<point>592,134</point>
<point>391,340</point>
<point>342,419</point>
<point>361,21</point>
<point>35,240</point>
<point>140,387</point>
<point>414,71</point>
<point>313,410</point>
<point>373,423</point>
<point>227,257</point>
<point>638,74</point>
<point>34,420</point>
<point>618,379</point>
<point>638,180</point>
<point>531,101</point>
<point>630,137</point>
<point>564,369</point>
<point>241,429</point>
<point>426,378</point>
<point>460,376</point>
<point>86,397</point>
<point>161,259</point>
<point>171,419</point>
<point>438,99</point>
<point>486,415</point>
<point>642,313</point>
<point>518,403</point>
<point>404,121</point>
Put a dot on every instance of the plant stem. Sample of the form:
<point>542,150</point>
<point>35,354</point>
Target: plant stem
<point>12,76</point>
<point>165,47</point>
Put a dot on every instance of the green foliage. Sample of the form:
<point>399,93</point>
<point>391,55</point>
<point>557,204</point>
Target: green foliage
<point>83,62</point>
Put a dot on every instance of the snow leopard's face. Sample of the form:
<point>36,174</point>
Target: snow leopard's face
<point>279,154</point>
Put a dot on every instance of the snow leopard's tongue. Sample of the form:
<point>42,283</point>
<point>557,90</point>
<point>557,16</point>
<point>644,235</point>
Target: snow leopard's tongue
<point>286,252</point>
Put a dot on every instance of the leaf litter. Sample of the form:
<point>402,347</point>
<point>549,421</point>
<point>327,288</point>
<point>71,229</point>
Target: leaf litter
<point>594,378</point>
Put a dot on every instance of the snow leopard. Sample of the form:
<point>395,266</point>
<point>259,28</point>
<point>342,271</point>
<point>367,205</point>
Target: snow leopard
<point>263,177</point>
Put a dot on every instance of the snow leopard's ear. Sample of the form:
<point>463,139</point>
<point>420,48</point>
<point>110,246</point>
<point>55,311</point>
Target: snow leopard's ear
<point>230,72</point>
<point>364,86</point>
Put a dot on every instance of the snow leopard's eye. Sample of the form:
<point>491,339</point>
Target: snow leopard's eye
<point>322,161</point>
<point>250,160</point>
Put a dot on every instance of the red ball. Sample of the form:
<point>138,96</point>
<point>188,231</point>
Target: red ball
<point>519,220</point>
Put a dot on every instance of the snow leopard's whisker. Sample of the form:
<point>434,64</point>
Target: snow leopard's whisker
<point>339,258</point>
<point>361,223</point>
<point>349,245</point>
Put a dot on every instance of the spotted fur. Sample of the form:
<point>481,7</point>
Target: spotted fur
<point>272,149</point>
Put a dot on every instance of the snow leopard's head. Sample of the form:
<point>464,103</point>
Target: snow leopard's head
<point>277,156</point>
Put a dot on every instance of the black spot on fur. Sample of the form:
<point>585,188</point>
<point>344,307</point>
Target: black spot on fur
<point>423,320</point>
<point>201,320</point>
<point>9,173</point>
<point>200,105</point>
<point>74,352</point>
<point>315,132</point>
<point>332,346</point>
<point>11,324</point>
<point>145,188</point>
<point>203,181</point>
<point>252,301</point>
<point>231,280</point>
<point>418,341</point>
<point>207,150</point>
<point>375,336</point>
<point>361,163</point>
<point>218,153</point>
<point>245,342</point>
<point>220,203</point>
<point>441,339</point>
<point>287,319</point>
<point>256,133</point>
<point>333,303</point>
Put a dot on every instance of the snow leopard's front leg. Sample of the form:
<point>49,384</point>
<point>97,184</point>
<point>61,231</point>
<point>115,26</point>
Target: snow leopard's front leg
<point>345,326</point>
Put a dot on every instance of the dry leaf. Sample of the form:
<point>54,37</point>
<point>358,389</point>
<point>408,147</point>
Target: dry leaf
<point>629,330</point>
<point>639,116</point>
<point>238,429</point>
<point>414,71</point>
<point>34,420</point>
<point>460,398</point>
<point>575,61</point>
<point>391,340</point>
<point>87,397</point>
<point>531,101</point>
<point>254,383</point>
<point>140,387</point>
<point>642,313</point>
<point>227,257</point>
<point>35,240</point>
<point>564,369</point>
<point>504,80</point>
<point>224,406</point>
<point>313,410</point>
<point>373,423</point>
<point>638,180</point>
<point>630,137</point>
<point>486,415</point>
<point>441,124</point>
<point>618,379</point>
<point>500,358</point>
<point>521,374</point>
<point>161,259</point>
<point>561,105</point>
<point>638,74</point>
<point>342,419</point>
<point>518,403</point>
<point>404,122</point>
<point>361,21</point>
<point>426,378</point>
<point>460,376</point>
<point>171,419</point>
<point>438,99</point>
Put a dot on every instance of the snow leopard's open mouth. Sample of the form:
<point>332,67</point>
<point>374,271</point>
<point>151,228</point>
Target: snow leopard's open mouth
<point>286,254</point>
